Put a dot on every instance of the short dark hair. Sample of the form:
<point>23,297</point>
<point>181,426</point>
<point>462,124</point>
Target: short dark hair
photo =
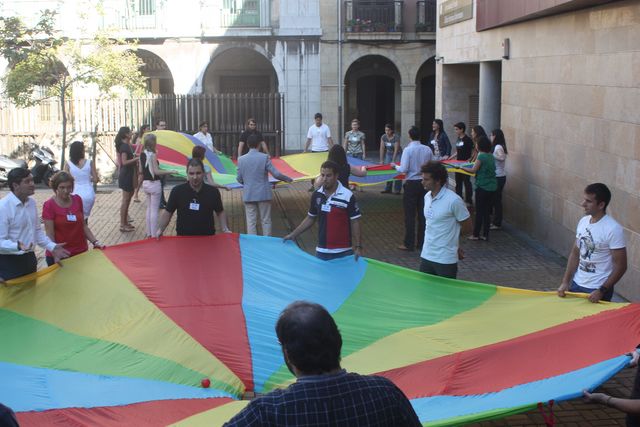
<point>310,336</point>
<point>202,124</point>
<point>318,116</point>
<point>252,141</point>
<point>198,152</point>
<point>414,133</point>
<point>460,125</point>
<point>390,126</point>
<point>437,171</point>
<point>194,161</point>
<point>600,191</point>
<point>484,144</point>
<point>15,176</point>
<point>329,164</point>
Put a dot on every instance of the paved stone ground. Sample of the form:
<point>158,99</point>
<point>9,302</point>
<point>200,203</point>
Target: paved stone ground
<point>509,259</point>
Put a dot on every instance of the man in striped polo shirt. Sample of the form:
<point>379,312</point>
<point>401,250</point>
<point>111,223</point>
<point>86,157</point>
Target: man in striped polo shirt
<point>339,217</point>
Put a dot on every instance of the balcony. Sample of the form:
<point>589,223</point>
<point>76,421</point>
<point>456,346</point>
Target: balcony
<point>373,20</point>
<point>240,13</point>
<point>426,19</point>
<point>136,18</point>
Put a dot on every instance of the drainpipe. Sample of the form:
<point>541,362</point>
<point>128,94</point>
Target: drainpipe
<point>340,88</point>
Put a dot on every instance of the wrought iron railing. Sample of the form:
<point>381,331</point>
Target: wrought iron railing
<point>426,16</point>
<point>240,13</point>
<point>373,16</point>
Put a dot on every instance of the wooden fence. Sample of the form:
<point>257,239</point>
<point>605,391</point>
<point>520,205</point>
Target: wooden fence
<point>226,114</point>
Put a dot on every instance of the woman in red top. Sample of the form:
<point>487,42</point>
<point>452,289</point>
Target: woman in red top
<point>63,218</point>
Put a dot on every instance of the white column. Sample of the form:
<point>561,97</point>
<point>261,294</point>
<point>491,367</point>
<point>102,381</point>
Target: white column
<point>489,94</point>
<point>407,109</point>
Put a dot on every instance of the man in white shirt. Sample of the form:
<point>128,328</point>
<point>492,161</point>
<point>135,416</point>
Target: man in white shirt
<point>413,157</point>
<point>319,136</point>
<point>20,229</point>
<point>205,137</point>
<point>598,259</point>
<point>445,214</point>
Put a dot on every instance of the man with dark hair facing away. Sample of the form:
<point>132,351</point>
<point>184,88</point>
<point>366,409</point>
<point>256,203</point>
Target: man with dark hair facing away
<point>598,258</point>
<point>253,172</point>
<point>413,157</point>
<point>337,209</point>
<point>445,214</point>
<point>324,394</point>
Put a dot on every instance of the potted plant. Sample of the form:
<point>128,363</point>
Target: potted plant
<point>350,24</point>
<point>380,27</point>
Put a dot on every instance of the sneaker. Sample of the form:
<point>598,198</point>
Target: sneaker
<point>473,238</point>
<point>385,191</point>
<point>494,227</point>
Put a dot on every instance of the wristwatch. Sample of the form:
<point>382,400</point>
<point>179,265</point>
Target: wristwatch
<point>603,289</point>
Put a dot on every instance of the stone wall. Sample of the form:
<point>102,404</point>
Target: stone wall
<point>571,116</point>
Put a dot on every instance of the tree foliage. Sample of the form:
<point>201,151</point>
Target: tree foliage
<point>44,65</point>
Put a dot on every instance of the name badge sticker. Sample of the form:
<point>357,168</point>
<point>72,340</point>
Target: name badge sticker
<point>326,207</point>
<point>194,206</point>
<point>71,218</point>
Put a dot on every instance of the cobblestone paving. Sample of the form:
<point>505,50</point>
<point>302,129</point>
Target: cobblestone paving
<point>509,259</point>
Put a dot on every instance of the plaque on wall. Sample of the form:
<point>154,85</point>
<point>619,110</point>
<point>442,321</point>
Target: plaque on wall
<point>454,11</point>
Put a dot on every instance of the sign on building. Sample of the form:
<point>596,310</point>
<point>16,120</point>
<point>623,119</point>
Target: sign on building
<point>454,11</point>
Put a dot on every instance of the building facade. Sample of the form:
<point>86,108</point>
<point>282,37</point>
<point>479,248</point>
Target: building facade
<point>378,66</point>
<point>308,50</point>
<point>562,80</point>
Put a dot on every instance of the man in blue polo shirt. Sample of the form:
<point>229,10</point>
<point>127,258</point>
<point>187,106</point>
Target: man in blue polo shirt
<point>339,217</point>
<point>445,213</point>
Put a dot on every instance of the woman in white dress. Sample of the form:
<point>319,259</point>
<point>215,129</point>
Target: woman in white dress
<point>85,175</point>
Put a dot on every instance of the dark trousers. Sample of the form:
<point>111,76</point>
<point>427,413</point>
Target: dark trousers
<point>413,203</point>
<point>12,266</point>
<point>497,202</point>
<point>325,256</point>
<point>634,420</point>
<point>163,201</point>
<point>484,201</point>
<point>437,269</point>
<point>464,179</point>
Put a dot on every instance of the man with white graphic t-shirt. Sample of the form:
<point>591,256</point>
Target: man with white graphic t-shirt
<point>598,259</point>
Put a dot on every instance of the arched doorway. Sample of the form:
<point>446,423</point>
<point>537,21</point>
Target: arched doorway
<point>426,96</point>
<point>156,71</point>
<point>240,70</point>
<point>372,95</point>
<point>242,83</point>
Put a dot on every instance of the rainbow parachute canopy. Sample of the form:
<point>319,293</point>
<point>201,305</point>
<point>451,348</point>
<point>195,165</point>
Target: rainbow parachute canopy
<point>175,149</point>
<point>127,335</point>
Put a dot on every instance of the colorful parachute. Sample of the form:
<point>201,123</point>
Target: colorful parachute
<point>127,335</point>
<point>175,149</point>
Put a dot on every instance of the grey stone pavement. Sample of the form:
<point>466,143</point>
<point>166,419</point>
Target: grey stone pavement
<point>509,259</point>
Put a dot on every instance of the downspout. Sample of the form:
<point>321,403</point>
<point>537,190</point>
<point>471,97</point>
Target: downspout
<point>340,88</point>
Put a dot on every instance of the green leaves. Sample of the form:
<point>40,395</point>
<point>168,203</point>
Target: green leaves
<point>41,63</point>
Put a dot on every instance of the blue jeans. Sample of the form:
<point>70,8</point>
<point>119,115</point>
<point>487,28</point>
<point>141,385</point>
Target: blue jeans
<point>396,183</point>
<point>577,288</point>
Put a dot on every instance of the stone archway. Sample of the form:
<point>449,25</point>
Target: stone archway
<point>426,95</point>
<point>372,95</point>
<point>156,71</point>
<point>240,70</point>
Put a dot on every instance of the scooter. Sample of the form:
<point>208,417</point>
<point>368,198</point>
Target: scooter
<point>6,164</point>
<point>45,162</point>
